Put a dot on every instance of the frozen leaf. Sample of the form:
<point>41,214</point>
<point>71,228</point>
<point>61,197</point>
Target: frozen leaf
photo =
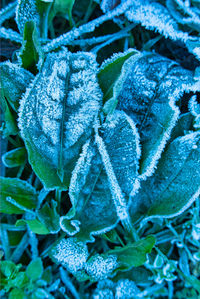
<point>99,267</point>
<point>169,191</point>
<point>71,253</point>
<point>194,107</point>
<point>20,191</point>
<point>183,125</point>
<point>27,11</point>
<point>31,55</point>
<point>57,113</point>
<point>102,183</point>
<point>35,269</point>
<point>93,210</point>
<point>147,90</point>
<point>126,288</point>
<point>7,12</point>
<point>14,81</point>
<point>110,71</point>
<point>14,158</point>
<point>49,217</point>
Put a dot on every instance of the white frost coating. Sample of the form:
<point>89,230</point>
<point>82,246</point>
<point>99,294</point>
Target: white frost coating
<point>71,253</point>
<point>119,200</point>
<point>7,12</point>
<point>126,288</point>
<point>194,106</point>
<point>155,16</point>
<point>68,37</point>
<point>11,35</point>
<point>26,11</point>
<point>99,267</point>
<point>116,56</point>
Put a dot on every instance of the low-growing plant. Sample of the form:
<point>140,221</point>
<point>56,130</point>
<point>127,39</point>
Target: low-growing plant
<point>100,176</point>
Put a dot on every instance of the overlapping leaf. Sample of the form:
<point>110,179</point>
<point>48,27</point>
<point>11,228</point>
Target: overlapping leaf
<point>147,90</point>
<point>57,113</point>
<point>104,177</point>
<point>175,184</point>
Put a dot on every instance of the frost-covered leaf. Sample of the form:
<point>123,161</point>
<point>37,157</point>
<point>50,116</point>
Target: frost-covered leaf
<point>72,254</point>
<point>14,158</point>
<point>49,217</point>
<point>93,210</point>
<point>57,113</point>
<point>155,16</point>
<point>110,71</point>
<point>31,55</point>
<point>7,12</point>
<point>183,125</point>
<point>169,191</point>
<point>147,90</point>
<point>103,178</point>
<point>20,191</point>
<point>14,81</point>
<point>27,11</point>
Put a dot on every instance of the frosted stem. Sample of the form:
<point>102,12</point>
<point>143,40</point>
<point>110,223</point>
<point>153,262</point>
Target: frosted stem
<point>68,37</point>
<point>7,12</point>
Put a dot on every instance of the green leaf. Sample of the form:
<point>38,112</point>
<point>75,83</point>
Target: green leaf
<point>49,217</point>
<point>35,226</point>
<point>17,294</point>
<point>14,158</point>
<point>62,7</point>
<point>9,126</point>
<point>14,81</point>
<point>169,191</point>
<point>57,114</point>
<point>20,191</point>
<point>31,54</point>
<point>110,71</point>
<point>147,90</point>
<point>35,269</point>
<point>9,269</point>
<point>104,177</point>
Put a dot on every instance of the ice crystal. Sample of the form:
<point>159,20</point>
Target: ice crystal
<point>126,288</point>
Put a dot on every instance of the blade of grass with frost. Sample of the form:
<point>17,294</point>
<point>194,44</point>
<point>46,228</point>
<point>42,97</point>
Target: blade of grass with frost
<point>70,36</point>
<point>147,89</point>
<point>154,16</point>
<point>7,12</point>
<point>169,191</point>
<point>10,35</point>
<point>57,114</point>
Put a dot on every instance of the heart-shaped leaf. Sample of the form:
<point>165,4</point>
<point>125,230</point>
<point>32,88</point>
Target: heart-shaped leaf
<point>57,113</point>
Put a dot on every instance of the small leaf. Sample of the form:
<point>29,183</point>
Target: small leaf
<point>14,81</point>
<point>110,71</point>
<point>9,269</point>
<point>62,7</point>
<point>14,158</point>
<point>147,90</point>
<point>49,217</point>
<point>17,294</point>
<point>169,192</point>
<point>20,191</point>
<point>57,114</point>
<point>31,54</point>
<point>35,226</point>
<point>35,269</point>
<point>9,127</point>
